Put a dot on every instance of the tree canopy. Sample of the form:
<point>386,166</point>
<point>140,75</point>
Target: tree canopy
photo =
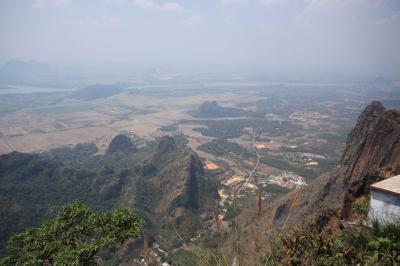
<point>74,237</point>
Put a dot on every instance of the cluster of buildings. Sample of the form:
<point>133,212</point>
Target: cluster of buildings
<point>287,180</point>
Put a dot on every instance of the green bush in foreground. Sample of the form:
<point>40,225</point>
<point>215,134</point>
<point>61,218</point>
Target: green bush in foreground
<point>361,207</point>
<point>379,245</point>
<point>74,237</point>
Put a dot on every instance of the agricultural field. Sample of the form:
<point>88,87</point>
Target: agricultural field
<point>249,135</point>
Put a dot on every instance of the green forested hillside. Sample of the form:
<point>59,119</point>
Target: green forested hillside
<point>33,187</point>
<point>156,182</point>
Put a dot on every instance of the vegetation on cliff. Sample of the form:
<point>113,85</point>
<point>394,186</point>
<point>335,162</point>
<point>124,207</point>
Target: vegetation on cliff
<point>310,245</point>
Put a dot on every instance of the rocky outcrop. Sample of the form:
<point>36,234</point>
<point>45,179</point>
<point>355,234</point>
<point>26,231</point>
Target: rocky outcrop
<point>175,178</point>
<point>165,147</point>
<point>121,144</point>
<point>212,109</point>
<point>191,196</point>
<point>372,152</point>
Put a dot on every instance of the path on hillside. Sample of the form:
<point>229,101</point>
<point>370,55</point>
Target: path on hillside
<point>251,173</point>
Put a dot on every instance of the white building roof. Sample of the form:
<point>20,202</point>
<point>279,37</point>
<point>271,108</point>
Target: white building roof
<point>390,185</point>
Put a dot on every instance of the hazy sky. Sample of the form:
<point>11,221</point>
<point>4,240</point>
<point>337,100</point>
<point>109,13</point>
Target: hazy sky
<point>358,36</point>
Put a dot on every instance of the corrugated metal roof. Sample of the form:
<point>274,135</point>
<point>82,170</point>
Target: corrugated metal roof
<point>390,185</point>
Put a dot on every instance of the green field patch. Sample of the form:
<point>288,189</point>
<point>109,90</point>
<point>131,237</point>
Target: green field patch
<point>296,149</point>
<point>274,188</point>
<point>64,109</point>
<point>284,165</point>
<point>233,128</point>
<point>334,138</point>
<point>214,172</point>
<point>220,147</point>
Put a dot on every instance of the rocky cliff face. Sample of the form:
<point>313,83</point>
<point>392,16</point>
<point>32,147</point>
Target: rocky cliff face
<point>372,153</point>
<point>175,175</point>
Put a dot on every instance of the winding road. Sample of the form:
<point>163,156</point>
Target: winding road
<point>251,173</point>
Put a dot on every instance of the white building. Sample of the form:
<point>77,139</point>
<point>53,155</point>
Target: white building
<point>385,201</point>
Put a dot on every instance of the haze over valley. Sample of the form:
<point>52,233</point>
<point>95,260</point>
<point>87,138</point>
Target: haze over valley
<point>198,133</point>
